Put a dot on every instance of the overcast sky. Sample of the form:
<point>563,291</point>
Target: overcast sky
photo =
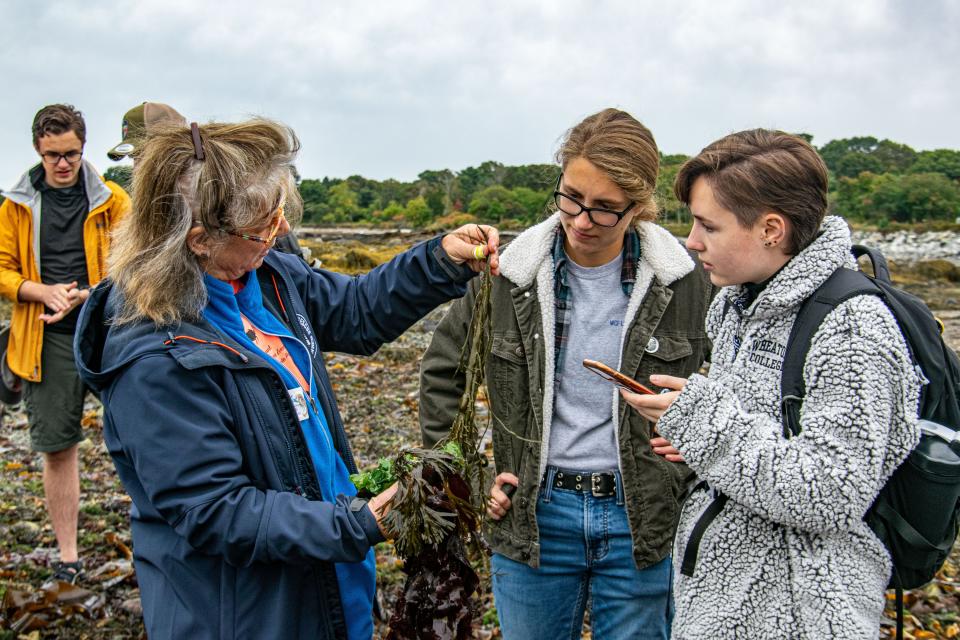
<point>388,88</point>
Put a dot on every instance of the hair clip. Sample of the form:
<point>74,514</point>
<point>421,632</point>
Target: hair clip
<point>197,142</point>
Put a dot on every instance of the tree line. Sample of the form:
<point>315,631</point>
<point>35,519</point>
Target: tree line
<point>873,181</point>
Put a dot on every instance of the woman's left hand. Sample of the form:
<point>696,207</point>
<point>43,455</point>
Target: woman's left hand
<point>475,244</point>
<point>652,407</point>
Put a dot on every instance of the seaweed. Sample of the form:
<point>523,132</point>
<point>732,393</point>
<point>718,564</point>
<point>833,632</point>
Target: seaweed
<point>436,513</point>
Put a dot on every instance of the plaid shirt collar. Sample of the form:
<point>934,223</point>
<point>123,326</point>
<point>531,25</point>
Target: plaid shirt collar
<point>561,290</point>
<point>628,272</point>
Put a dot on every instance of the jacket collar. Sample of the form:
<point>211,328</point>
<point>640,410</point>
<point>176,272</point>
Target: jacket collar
<point>659,250</point>
<point>806,271</point>
<point>24,193</point>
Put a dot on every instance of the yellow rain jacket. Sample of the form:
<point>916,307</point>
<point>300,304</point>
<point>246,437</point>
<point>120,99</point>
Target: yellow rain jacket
<point>20,250</point>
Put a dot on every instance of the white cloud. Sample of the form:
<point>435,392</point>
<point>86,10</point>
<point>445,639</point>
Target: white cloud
<point>388,89</point>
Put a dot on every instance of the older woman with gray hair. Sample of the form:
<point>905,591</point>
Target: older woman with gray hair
<point>207,350</point>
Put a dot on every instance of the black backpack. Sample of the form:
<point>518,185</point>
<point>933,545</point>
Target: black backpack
<point>917,512</point>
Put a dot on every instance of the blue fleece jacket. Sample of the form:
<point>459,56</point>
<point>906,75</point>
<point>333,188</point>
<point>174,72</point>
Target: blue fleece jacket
<point>357,580</point>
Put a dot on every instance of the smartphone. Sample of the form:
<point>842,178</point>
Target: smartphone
<point>615,377</point>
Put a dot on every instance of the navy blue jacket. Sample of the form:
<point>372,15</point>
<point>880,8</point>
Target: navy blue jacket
<point>231,538</point>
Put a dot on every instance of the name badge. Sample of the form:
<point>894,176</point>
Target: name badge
<point>299,399</point>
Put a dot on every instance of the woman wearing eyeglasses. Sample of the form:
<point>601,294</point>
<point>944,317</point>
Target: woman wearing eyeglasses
<point>207,349</point>
<point>595,507</point>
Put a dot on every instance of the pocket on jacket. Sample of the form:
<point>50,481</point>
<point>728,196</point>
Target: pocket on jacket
<point>508,364</point>
<point>668,348</point>
<point>668,355</point>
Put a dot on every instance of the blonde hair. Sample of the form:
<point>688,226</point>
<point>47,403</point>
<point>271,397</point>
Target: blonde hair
<point>245,173</point>
<point>617,144</point>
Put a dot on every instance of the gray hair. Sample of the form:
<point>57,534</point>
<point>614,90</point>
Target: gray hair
<point>246,171</point>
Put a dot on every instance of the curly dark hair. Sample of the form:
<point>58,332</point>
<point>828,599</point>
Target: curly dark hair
<point>57,119</point>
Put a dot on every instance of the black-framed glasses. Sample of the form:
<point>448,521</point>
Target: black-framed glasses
<point>52,157</point>
<point>274,230</point>
<point>598,215</point>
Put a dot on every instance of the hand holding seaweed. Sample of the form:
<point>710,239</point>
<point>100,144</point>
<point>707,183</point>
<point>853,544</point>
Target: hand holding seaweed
<point>438,507</point>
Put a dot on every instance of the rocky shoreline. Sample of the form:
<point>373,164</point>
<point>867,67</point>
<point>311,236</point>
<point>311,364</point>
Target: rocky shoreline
<point>899,246</point>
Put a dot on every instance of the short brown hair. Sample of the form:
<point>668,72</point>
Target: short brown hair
<point>756,171</point>
<point>617,144</point>
<point>57,119</point>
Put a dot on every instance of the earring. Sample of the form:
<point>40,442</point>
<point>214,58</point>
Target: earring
<point>769,243</point>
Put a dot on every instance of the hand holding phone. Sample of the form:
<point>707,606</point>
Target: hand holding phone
<point>616,377</point>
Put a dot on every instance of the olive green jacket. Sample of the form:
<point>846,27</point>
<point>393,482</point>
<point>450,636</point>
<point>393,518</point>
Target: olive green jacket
<point>663,333</point>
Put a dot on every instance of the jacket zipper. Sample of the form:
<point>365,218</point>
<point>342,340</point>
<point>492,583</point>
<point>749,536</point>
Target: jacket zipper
<point>346,451</point>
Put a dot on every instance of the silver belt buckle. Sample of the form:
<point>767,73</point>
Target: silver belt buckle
<point>595,486</point>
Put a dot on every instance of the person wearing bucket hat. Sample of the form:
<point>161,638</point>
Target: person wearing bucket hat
<point>137,123</point>
<point>48,261</point>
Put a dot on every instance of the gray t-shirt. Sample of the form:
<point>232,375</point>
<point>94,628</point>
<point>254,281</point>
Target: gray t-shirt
<point>583,436</point>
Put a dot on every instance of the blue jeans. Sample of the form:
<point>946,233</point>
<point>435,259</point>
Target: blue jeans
<point>585,553</point>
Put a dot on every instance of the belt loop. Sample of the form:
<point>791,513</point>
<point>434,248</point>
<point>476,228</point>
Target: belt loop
<point>618,482</point>
<point>547,491</point>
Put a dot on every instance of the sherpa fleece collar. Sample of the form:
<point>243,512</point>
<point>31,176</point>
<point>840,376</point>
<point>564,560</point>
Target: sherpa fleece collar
<point>664,256</point>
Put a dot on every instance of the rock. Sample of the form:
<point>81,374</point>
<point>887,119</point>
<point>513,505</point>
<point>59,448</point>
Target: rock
<point>25,531</point>
<point>132,606</point>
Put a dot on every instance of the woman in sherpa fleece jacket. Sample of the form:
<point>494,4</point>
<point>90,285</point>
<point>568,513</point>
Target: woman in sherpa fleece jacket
<point>789,556</point>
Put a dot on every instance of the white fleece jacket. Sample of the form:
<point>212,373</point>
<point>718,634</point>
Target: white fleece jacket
<point>790,557</point>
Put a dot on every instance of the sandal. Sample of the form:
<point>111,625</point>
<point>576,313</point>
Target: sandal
<point>67,571</point>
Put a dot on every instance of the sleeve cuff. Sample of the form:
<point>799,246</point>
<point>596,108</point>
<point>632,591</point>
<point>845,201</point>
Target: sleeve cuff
<point>456,272</point>
<point>365,517</point>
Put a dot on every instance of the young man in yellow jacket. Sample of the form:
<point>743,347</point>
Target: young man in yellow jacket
<point>54,230</point>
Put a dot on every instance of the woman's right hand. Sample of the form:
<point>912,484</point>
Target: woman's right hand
<point>499,502</point>
<point>378,505</point>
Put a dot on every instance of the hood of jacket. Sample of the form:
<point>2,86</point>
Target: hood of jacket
<point>23,192</point>
<point>103,350</point>
<point>800,277</point>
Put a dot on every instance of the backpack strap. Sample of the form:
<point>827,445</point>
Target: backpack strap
<point>842,285</point>
<point>693,544</point>
<point>881,271</point>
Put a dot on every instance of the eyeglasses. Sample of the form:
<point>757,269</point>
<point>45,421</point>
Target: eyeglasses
<point>52,157</point>
<point>274,230</point>
<point>598,215</point>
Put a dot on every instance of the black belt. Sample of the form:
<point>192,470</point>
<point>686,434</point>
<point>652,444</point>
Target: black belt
<point>600,485</point>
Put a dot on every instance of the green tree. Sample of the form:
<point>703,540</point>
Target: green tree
<point>671,209</point>
<point>945,161</point>
<point>122,174</point>
<point>536,177</point>
<point>393,212</point>
<point>918,196</point>
<point>853,197</point>
<point>473,179</point>
<point>852,156</point>
<point>417,213</point>
<point>852,164</point>
<point>496,204</point>
<point>533,203</point>
<point>836,149</point>
<point>342,201</point>
<point>895,157</point>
